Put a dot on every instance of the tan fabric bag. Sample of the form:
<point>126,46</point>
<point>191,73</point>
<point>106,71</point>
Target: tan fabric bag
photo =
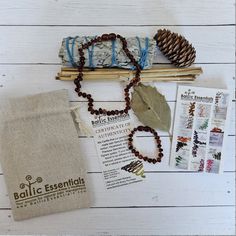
<point>40,156</point>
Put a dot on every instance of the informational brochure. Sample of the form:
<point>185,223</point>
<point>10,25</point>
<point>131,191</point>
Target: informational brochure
<point>200,125</point>
<point>119,165</point>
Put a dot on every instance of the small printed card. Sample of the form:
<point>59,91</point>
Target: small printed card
<point>119,166</point>
<point>199,129</point>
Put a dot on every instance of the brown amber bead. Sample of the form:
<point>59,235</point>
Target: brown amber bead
<point>105,37</point>
<point>112,36</point>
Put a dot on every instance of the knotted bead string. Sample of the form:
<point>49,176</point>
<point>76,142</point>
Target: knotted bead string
<point>137,153</point>
<point>134,81</point>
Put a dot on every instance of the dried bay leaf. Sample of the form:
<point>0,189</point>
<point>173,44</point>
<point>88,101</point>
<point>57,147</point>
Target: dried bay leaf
<point>151,107</point>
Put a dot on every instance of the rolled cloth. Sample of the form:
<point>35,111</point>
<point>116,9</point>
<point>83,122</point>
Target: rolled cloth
<point>108,53</point>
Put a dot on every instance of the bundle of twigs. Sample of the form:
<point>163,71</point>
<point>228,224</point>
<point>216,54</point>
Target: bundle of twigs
<point>154,74</point>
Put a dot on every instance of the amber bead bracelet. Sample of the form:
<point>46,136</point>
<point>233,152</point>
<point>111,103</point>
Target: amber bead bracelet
<point>137,153</point>
<point>134,81</point>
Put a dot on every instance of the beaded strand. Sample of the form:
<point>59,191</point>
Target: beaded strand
<point>133,82</point>
<point>137,153</point>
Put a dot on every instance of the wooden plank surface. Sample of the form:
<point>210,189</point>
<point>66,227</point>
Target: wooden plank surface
<point>122,12</point>
<point>127,221</point>
<point>169,201</point>
<point>185,189</point>
<point>41,44</point>
<point>146,145</point>
<point>41,78</point>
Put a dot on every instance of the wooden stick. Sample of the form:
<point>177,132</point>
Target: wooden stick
<point>154,74</point>
<point>153,69</point>
<point>168,71</point>
<point>161,79</point>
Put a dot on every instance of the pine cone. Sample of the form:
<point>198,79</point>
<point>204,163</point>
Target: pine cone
<point>176,48</point>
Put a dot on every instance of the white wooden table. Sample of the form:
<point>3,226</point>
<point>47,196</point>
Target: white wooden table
<point>169,202</point>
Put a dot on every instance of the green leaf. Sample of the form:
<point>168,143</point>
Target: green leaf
<point>151,107</point>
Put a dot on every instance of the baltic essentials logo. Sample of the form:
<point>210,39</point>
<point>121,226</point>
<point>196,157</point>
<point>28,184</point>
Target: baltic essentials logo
<point>32,190</point>
<point>189,92</point>
<point>29,189</point>
<point>190,95</point>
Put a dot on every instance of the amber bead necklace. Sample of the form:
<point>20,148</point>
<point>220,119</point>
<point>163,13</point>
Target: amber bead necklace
<point>134,81</point>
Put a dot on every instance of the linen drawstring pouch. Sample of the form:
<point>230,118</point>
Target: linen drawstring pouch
<point>40,156</point>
